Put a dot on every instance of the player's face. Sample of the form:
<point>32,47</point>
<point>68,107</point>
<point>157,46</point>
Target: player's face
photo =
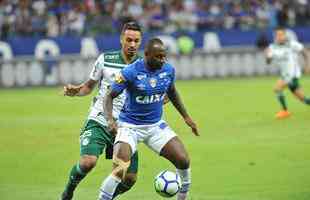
<point>280,37</point>
<point>130,41</point>
<point>156,57</point>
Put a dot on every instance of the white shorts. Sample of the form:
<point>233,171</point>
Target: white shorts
<point>155,136</point>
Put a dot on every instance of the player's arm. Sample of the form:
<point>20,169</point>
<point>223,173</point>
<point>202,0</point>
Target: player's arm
<point>166,99</point>
<point>79,90</point>
<point>88,86</point>
<point>268,55</point>
<point>108,110</point>
<point>175,98</point>
<point>117,88</point>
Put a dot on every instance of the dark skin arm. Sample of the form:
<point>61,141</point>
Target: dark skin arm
<point>177,103</point>
<point>166,99</point>
<point>108,108</point>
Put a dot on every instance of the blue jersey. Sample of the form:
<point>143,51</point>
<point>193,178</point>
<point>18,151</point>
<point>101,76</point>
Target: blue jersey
<point>145,92</point>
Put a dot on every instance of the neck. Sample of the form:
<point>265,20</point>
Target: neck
<point>282,43</point>
<point>149,67</point>
<point>127,58</point>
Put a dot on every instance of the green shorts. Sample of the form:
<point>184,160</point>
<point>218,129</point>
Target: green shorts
<point>94,138</point>
<point>294,84</point>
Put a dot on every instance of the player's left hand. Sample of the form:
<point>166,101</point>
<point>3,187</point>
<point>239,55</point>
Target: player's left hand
<point>166,99</point>
<point>112,127</point>
<point>192,124</point>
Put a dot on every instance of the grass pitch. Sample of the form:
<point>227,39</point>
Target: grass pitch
<point>243,153</point>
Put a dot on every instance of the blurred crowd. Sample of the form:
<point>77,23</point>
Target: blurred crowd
<point>91,17</point>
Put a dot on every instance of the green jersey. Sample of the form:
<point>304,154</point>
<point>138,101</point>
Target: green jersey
<point>104,70</point>
<point>285,57</point>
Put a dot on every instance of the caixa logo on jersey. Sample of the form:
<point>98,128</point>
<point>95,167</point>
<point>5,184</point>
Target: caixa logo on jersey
<point>153,82</point>
<point>150,99</point>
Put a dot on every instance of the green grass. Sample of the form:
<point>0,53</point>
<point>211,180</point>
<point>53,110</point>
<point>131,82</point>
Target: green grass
<point>243,153</point>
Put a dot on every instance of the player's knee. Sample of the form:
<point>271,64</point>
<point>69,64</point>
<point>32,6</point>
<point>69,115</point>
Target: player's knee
<point>183,162</point>
<point>120,167</point>
<point>87,163</point>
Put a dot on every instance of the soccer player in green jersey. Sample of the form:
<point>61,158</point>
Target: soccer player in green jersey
<point>283,53</point>
<point>94,137</point>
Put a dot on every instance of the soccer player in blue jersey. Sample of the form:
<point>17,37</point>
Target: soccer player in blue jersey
<point>146,81</point>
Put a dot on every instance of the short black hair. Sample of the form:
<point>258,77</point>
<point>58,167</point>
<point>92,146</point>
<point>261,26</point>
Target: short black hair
<point>132,25</point>
<point>150,44</point>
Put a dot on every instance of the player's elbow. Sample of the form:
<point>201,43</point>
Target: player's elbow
<point>109,97</point>
<point>112,94</point>
<point>87,91</point>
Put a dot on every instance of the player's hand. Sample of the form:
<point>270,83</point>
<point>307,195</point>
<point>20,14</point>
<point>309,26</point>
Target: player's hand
<point>268,53</point>
<point>112,127</point>
<point>192,124</point>
<point>71,90</point>
<point>166,99</point>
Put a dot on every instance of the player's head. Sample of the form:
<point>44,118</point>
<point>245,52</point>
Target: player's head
<point>280,35</point>
<point>131,38</point>
<point>155,53</point>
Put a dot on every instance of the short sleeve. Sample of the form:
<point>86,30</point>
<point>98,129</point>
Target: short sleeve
<point>122,79</point>
<point>96,71</point>
<point>297,46</point>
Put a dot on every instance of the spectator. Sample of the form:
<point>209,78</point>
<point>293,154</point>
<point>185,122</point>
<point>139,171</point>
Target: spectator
<point>92,17</point>
<point>23,18</point>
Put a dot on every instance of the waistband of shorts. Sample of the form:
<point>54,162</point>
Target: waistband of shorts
<point>129,125</point>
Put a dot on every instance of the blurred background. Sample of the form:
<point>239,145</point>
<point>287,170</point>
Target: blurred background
<point>43,40</point>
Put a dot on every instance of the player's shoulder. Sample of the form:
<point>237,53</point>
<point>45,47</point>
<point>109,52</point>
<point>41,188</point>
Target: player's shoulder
<point>132,69</point>
<point>136,65</point>
<point>100,58</point>
<point>272,46</point>
<point>168,67</point>
<point>294,43</point>
<point>112,59</point>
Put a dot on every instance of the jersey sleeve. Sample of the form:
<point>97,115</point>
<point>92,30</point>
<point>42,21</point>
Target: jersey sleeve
<point>122,79</point>
<point>96,71</point>
<point>297,46</point>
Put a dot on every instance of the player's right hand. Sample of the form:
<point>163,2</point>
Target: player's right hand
<point>71,90</point>
<point>112,127</point>
<point>192,124</point>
